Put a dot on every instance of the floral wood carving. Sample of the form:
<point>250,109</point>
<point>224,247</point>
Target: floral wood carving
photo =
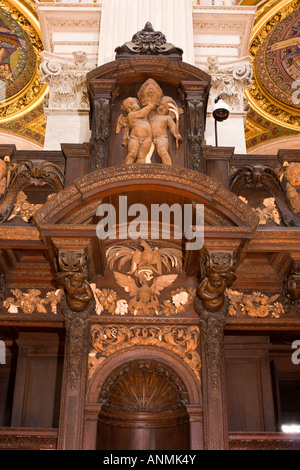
<point>31,301</point>
<point>275,182</point>
<point>107,301</point>
<point>269,213</point>
<point>182,341</point>
<point>256,304</point>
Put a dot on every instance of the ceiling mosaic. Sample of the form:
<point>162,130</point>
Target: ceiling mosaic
<point>275,48</point>
<point>21,88</point>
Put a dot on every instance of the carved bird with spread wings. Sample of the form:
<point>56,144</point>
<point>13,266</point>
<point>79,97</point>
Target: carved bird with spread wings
<point>144,297</point>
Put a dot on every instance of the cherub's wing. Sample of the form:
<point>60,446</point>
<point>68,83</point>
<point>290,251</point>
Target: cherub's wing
<point>123,122</point>
<point>127,282</point>
<point>162,281</point>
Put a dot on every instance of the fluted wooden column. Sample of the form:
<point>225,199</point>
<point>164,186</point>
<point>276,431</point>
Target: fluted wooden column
<point>121,19</point>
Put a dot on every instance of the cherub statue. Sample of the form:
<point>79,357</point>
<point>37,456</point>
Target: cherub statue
<point>144,297</point>
<point>5,170</point>
<point>212,290</point>
<point>138,133</point>
<point>78,291</point>
<point>160,121</point>
<point>292,175</point>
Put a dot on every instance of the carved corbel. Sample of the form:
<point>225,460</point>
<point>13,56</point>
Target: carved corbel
<point>217,276</point>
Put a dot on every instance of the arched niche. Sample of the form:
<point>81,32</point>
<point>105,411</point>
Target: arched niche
<point>185,390</point>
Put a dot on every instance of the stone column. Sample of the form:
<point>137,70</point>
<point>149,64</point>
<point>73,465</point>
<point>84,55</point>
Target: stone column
<point>229,81</point>
<point>66,106</point>
<point>121,19</point>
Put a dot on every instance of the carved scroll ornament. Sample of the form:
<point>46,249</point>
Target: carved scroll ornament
<point>147,42</point>
<point>16,177</point>
<point>182,341</point>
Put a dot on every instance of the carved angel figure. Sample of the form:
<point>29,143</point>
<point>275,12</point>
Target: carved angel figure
<point>138,133</point>
<point>144,297</point>
<point>160,121</point>
<point>292,175</point>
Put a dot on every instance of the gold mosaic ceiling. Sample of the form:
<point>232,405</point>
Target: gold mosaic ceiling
<point>21,89</point>
<point>274,97</point>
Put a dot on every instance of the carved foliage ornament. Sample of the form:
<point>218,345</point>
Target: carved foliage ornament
<point>255,305</point>
<point>31,301</point>
<point>182,341</point>
<point>16,177</point>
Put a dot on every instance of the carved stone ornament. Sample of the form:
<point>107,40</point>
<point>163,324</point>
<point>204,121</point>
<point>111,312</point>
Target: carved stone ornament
<point>180,340</point>
<point>230,81</point>
<point>147,42</point>
<point>255,305</point>
<point>146,123</point>
<point>66,81</point>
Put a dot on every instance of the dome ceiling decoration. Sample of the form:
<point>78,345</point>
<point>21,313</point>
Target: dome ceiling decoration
<point>21,88</point>
<point>275,48</point>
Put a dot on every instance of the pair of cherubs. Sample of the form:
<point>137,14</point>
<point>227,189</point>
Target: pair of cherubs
<point>148,128</point>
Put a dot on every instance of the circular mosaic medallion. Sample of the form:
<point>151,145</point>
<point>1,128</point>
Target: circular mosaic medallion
<point>17,56</point>
<point>278,61</point>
